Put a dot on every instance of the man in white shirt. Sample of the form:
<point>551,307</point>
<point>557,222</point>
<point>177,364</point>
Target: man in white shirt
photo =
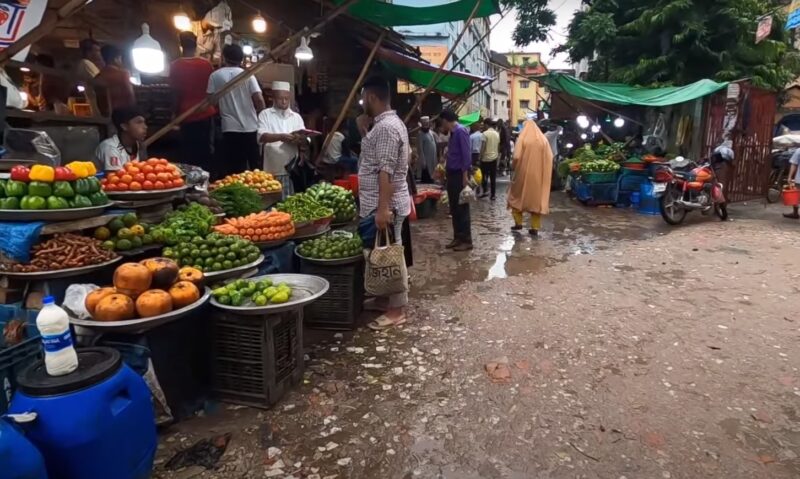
<point>278,131</point>
<point>339,151</point>
<point>112,153</point>
<point>238,109</point>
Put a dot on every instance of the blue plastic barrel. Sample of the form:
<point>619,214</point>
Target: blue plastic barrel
<point>19,459</point>
<point>94,423</point>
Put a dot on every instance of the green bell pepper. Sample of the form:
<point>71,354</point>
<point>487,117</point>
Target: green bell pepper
<point>94,184</point>
<point>11,203</point>
<point>98,199</point>
<point>2,188</point>
<point>63,189</point>
<point>30,202</point>
<point>80,201</point>
<point>57,203</point>
<point>16,189</point>
<point>83,186</point>
<point>39,188</point>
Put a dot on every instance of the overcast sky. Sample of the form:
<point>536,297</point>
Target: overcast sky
<point>501,35</point>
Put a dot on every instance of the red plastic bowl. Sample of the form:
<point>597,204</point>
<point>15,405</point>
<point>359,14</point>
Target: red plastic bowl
<point>791,197</point>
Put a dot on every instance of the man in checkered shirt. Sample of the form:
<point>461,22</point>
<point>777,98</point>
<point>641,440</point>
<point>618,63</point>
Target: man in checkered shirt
<point>382,187</point>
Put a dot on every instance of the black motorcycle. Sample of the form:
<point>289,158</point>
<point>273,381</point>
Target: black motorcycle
<point>780,170</point>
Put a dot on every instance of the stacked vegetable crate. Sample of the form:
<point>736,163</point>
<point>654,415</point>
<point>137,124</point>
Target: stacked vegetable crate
<point>629,182</point>
<point>341,307</point>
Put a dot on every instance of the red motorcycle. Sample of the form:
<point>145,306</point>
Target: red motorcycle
<point>694,188</point>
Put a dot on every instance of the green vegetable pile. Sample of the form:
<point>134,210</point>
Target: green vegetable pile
<point>332,247</point>
<point>124,233</point>
<point>252,293</point>
<point>303,207</point>
<point>238,200</point>
<point>59,195</point>
<point>340,200</point>
<point>214,252</point>
<point>599,166</point>
<point>183,225</point>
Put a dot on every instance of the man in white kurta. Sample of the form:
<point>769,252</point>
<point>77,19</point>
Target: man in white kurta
<point>276,131</point>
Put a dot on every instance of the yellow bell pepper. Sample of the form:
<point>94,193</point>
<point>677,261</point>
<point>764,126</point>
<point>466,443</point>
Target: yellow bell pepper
<point>90,167</point>
<point>42,173</point>
<point>79,168</point>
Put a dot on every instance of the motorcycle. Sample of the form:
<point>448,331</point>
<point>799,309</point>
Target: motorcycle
<point>780,170</point>
<point>689,187</point>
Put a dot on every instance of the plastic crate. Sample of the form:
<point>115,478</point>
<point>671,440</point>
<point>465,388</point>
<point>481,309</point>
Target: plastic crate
<point>426,208</point>
<point>13,359</point>
<point>595,194</point>
<point>599,177</point>
<point>339,308</point>
<point>631,183</point>
<point>648,203</point>
<point>256,359</point>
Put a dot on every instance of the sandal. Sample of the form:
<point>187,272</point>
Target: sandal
<point>382,323</point>
<point>791,216</point>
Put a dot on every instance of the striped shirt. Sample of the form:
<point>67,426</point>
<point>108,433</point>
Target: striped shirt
<point>385,148</point>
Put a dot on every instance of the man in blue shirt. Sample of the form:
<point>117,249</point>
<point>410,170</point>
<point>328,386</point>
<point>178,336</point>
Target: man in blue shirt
<point>458,164</point>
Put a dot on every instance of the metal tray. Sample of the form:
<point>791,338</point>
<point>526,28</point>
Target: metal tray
<point>305,289</point>
<point>343,224</point>
<point>329,262</point>
<point>136,326</point>
<point>233,272</point>
<point>60,273</point>
<point>145,195</point>
<point>271,244</point>
<point>311,235</point>
<point>66,214</point>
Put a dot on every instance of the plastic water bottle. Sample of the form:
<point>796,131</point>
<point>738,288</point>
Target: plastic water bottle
<point>59,354</point>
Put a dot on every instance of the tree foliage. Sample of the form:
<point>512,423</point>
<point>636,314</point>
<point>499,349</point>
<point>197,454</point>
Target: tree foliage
<point>647,42</point>
<point>534,20</point>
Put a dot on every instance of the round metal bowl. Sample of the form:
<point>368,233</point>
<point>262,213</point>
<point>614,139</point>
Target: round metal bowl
<point>329,262</point>
<point>66,214</point>
<point>270,244</point>
<point>305,289</point>
<point>136,326</point>
<point>60,273</point>
<point>145,195</point>
<point>311,235</point>
<point>233,272</point>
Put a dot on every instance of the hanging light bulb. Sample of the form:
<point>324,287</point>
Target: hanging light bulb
<point>147,54</point>
<point>24,69</point>
<point>259,24</point>
<point>595,128</point>
<point>582,121</point>
<point>619,122</point>
<point>182,21</point>
<point>303,53</point>
<point>569,145</point>
<point>247,50</point>
<point>584,136</point>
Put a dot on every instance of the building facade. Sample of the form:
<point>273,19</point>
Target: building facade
<point>526,97</point>
<point>500,97</point>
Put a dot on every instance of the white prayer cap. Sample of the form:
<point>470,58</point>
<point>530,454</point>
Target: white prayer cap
<point>281,86</point>
<point>425,118</point>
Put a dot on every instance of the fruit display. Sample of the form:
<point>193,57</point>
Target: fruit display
<point>142,290</point>
<point>204,199</point>
<point>153,174</point>
<point>43,187</point>
<point>62,252</point>
<point>304,208</point>
<point>261,226</point>
<point>214,252</point>
<point>124,233</point>
<point>184,224</point>
<point>332,246</point>
<point>238,200</point>
<point>242,292</point>
<point>340,200</point>
<point>257,180</point>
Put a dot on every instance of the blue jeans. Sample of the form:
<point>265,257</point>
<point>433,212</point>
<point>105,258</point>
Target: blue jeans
<point>349,162</point>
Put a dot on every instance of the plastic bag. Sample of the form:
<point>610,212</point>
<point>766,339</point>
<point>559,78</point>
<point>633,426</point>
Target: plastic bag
<point>75,300</point>
<point>466,196</point>
<point>18,239</point>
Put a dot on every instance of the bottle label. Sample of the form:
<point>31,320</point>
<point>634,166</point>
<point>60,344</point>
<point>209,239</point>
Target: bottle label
<point>56,342</point>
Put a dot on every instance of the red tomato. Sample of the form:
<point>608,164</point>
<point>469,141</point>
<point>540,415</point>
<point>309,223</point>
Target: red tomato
<point>168,184</point>
<point>158,185</point>
<point>162,161</point>
<point>113,179</point>
<point>126,179</point>
<point>104,181</point>
<point>177,182</point>
<point>133,170</point>
<point>159,169</point>
<point>148,185</point>
<point>152,161</point>
<point>151,176</point>
<point>122,186</point>
<point>136,186</point>
<point>139,177</point>
<point>147,168</point>
<point>164,176</point>
<point>110,187</point>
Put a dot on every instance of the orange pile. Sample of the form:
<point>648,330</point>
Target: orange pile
<point>153,174</point>
<point>262,226</point>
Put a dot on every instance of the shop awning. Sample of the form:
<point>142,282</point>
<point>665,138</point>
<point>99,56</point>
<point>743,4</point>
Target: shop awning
<point>394,15</point>
<point>620,94</point>
<point>419,72</point>
<point>468,120</point>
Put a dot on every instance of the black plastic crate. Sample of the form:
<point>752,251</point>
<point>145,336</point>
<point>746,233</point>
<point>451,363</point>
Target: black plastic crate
<point>14,359</point>
<point>339,308</point>
<point>256,359</point>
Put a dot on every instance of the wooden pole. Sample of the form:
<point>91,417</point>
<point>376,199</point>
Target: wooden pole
<point>442,67</point>
<point>48,24</point>
<point>352,94</point>
<point>255,68</point>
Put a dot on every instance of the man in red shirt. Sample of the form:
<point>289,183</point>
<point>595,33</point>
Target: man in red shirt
<point>117,81</point>
<point>189,78</point>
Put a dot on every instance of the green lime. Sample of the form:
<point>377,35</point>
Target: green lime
<point>225,299</point>
<point>260,300</point>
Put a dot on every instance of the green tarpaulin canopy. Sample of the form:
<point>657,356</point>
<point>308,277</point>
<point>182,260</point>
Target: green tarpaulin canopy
<point>393,15</point>
<point>630,95</point>
<point>467,120</point>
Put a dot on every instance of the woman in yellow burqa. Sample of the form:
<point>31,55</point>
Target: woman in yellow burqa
<point>533,169</point>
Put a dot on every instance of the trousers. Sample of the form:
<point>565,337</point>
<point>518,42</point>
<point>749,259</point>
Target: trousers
<point>489,170</point>
<point>462,229</point>
<point>536,219</point>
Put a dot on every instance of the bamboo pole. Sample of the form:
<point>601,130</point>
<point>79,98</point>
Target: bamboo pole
<point>255,68</point>
<point>442,67</point>
<point>352,94</point>
<point>48,24</point>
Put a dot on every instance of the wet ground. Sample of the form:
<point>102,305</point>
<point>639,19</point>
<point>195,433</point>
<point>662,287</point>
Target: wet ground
<point>613,346</point>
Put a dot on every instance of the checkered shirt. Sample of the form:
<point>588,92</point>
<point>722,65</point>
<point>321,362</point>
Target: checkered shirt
<point>385,148</point>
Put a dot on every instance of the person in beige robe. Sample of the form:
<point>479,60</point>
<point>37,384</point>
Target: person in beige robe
<point>533,169</point>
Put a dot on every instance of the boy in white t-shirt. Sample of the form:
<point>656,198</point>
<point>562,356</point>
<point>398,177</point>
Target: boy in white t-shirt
<point>126,145</point>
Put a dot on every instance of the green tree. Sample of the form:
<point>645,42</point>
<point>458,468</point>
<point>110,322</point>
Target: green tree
<point>677,42</point>
<point>534,20</point>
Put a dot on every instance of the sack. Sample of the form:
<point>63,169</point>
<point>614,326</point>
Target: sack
<point>385,271</point>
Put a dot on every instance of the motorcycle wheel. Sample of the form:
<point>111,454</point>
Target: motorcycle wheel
<point>672,213</point>
<point>721,210</point>
<point>776,178</point>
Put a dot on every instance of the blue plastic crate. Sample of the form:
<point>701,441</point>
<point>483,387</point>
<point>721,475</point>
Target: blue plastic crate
<point>648,203</point>
<point>596,194</point>
<point>632,182</point>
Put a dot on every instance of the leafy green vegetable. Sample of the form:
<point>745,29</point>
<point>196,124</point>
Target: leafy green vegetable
<point>238,200</point>
<point>183,225</point>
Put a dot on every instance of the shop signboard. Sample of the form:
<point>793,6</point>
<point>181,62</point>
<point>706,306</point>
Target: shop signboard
<point>18,18</point>
<point>433,54</point>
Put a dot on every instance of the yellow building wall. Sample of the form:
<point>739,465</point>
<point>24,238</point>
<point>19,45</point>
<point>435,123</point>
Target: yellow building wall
<point>521,89</point>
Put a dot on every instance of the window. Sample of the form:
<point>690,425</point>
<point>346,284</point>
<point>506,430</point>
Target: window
<point>526,60</point>
<point>524,84</point>
<point>524,104</point>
